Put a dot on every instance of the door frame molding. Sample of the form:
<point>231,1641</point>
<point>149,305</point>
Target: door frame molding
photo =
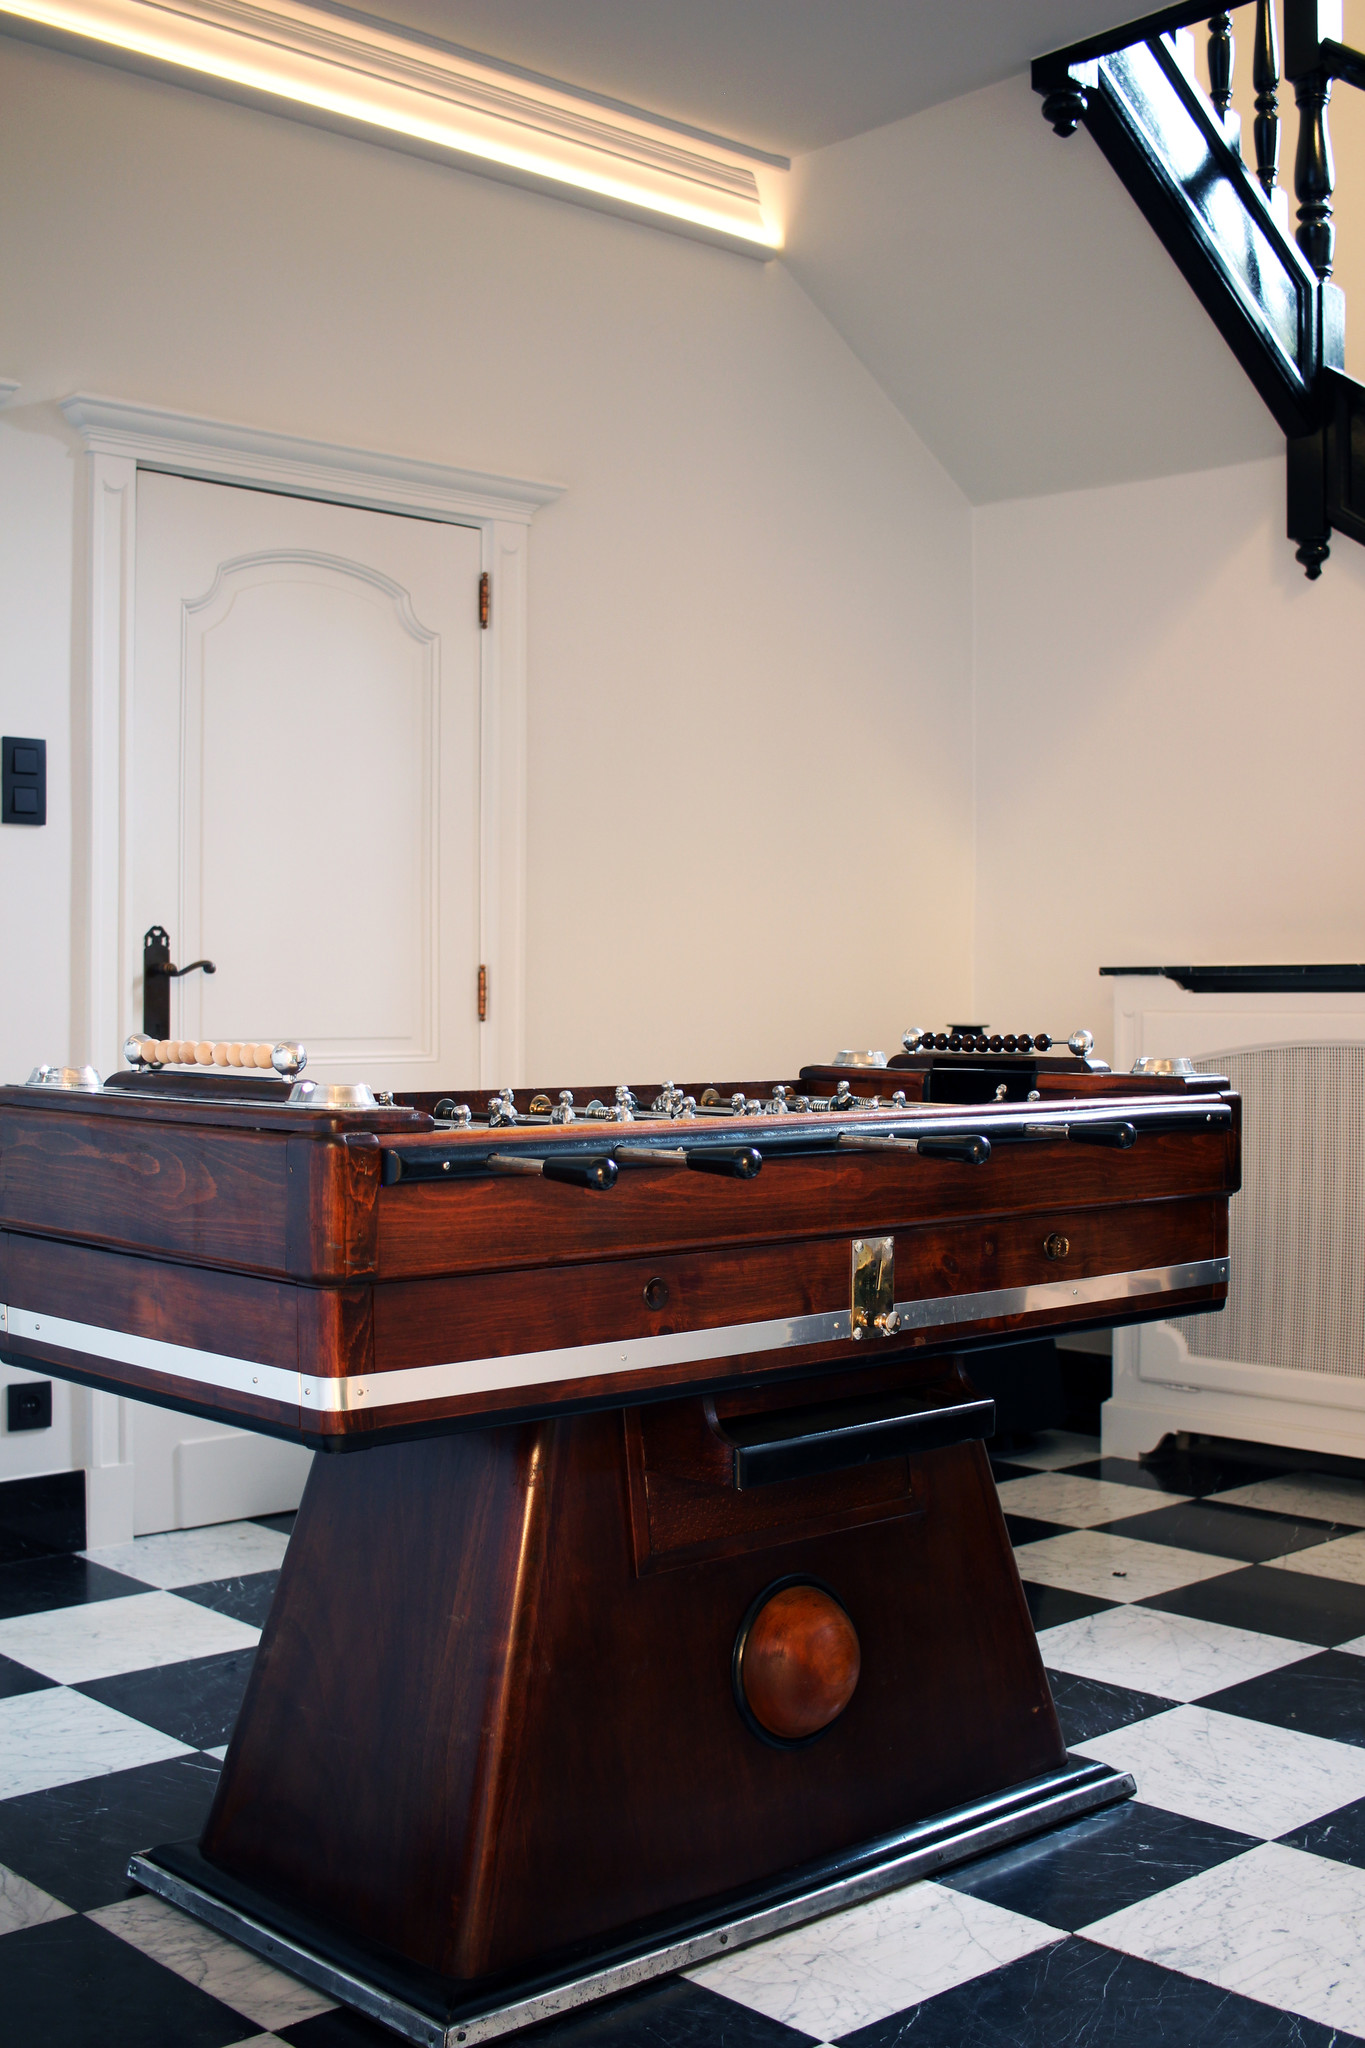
<point>121,437</point>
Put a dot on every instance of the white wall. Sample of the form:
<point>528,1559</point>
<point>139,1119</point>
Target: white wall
<point>750,777</point>
<point>1170,729</point>
<point>750,634</point>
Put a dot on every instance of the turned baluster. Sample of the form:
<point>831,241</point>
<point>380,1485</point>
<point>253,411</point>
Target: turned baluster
<point>1308,25</point>
<point>1221,55</point>
<point>1265,76</point>
<point>1315,173</point>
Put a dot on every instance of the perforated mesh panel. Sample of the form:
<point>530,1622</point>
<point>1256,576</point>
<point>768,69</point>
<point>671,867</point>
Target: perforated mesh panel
<point>1297,1234</point>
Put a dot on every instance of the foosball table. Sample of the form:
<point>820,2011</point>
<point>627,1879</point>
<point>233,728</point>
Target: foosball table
<point>652,1593</point>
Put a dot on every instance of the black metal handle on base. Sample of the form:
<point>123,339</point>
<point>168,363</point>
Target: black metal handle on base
<point>803,1443</point>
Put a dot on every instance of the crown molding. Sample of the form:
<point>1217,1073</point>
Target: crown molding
<point>221,452</point>
<point>364,77</point>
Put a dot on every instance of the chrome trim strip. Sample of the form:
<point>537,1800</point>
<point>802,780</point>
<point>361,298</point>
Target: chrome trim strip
<point>592,1361</point>
<point>934,1845</point>
<point>737,1340</point>
<point>577,1361</point>
<point>177,1361</point>
<point>949,1309</point>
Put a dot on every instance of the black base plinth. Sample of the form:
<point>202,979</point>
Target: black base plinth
<point>438,2012</point>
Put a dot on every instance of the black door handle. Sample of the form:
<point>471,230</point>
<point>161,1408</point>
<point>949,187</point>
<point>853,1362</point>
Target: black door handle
<point>157,976</point>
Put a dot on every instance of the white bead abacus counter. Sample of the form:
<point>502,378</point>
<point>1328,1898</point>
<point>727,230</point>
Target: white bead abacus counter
<point>189,1052</point>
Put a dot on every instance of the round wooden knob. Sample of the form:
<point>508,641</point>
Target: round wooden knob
<point>800,1662</point>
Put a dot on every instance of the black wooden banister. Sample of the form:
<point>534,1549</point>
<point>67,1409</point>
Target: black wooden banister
<point>1269,293</point>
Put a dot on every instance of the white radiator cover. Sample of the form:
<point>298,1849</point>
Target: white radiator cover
<point>1284,1363</point>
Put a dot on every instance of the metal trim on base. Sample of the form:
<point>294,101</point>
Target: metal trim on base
<point>319,1394</point>
<point>922,1851</point>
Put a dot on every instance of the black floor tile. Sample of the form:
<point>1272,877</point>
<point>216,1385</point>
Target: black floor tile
<point>71,1984</point>
<point>1098,1865</point>
<point>1003,1469</point>
<point>669,2014</point>
<point>1273,1603</point>
<point>1201,1472</point>
<point>196,1701</point>
<point>1222,1531</point>
<point>17,1678</point>
<point>1125,1472</point>
<point>1087,1707</point>
<point>1322,1695</point>
<point>1050,1606</point>
<point>1075,1992</point>
<point>1023,1529</point>
<point>246,1599</point>
<point>284,1524</point>
<point>341,2029</point>
<point>43,1582</point>
<point>74,1841</point>
<point>1340,1835</point>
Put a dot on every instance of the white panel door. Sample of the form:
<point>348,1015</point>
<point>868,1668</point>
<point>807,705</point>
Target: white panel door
<point>304,811</point>
<point>305,776</point>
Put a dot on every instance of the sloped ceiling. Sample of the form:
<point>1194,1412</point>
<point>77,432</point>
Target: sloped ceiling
<point>782,75</point>
<point>1004,290</point>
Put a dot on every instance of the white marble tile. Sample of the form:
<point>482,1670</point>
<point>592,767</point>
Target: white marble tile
<point>1115,1567</point>
<point>104,1637</point>
<point>1343,1559</point>
<point>1318,1495</point>
<point>261,2041</point>
<point>1276,1925</point>
<point>54,1737</point>
<point>856,1967</point>
<point>1055,1447</point>
<point>23,1905</point>
<point>1171,1655</point>
<point>229,1973</point>
<point>219,1753</point>
<point>191,1557</point>
<point>1237,1773</point>
<point>1079,1503</point>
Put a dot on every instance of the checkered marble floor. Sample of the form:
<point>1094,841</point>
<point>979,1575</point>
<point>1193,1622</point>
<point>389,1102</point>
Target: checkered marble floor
<point>1203,1625</point>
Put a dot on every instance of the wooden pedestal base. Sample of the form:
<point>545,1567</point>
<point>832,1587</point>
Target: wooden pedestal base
<point>497,1727</point>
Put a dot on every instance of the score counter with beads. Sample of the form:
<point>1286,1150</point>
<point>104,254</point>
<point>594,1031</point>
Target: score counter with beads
<point>650,1592</point>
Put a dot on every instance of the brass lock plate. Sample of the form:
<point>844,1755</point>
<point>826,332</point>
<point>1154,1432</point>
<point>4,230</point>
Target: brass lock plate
<point>874,1287</point>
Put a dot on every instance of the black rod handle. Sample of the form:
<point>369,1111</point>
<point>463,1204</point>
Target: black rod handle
<point>971,1149</point>
<point>582,1173</point>
<point>1117,1136</point>
<point>736,1162</point>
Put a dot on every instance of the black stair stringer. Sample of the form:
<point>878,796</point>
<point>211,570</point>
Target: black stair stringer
<point>1284,325</point>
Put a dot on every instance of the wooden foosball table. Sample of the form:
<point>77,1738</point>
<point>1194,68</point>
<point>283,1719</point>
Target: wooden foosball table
<point>652,1593</point>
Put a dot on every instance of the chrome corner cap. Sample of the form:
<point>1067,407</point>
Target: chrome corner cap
<point>84,1079</point>
<point>331,1095</point>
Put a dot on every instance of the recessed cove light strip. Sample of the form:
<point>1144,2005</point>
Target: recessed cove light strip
<point>368,80</point>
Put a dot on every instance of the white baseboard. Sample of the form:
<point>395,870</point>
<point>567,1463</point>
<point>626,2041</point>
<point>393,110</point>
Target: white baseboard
<point>108,1505</point>
<point>226,1478</point>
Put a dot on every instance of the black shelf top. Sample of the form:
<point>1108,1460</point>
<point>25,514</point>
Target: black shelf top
<point>1317,979</point>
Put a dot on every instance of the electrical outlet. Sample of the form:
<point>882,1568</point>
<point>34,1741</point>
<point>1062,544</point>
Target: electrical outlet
<point>28,1405</point>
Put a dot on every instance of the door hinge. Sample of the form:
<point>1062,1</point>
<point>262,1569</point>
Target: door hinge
<point>485,599</point>
<point>483,994</point>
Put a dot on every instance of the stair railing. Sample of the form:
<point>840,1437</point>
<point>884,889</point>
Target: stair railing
<point>1271,296</point>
